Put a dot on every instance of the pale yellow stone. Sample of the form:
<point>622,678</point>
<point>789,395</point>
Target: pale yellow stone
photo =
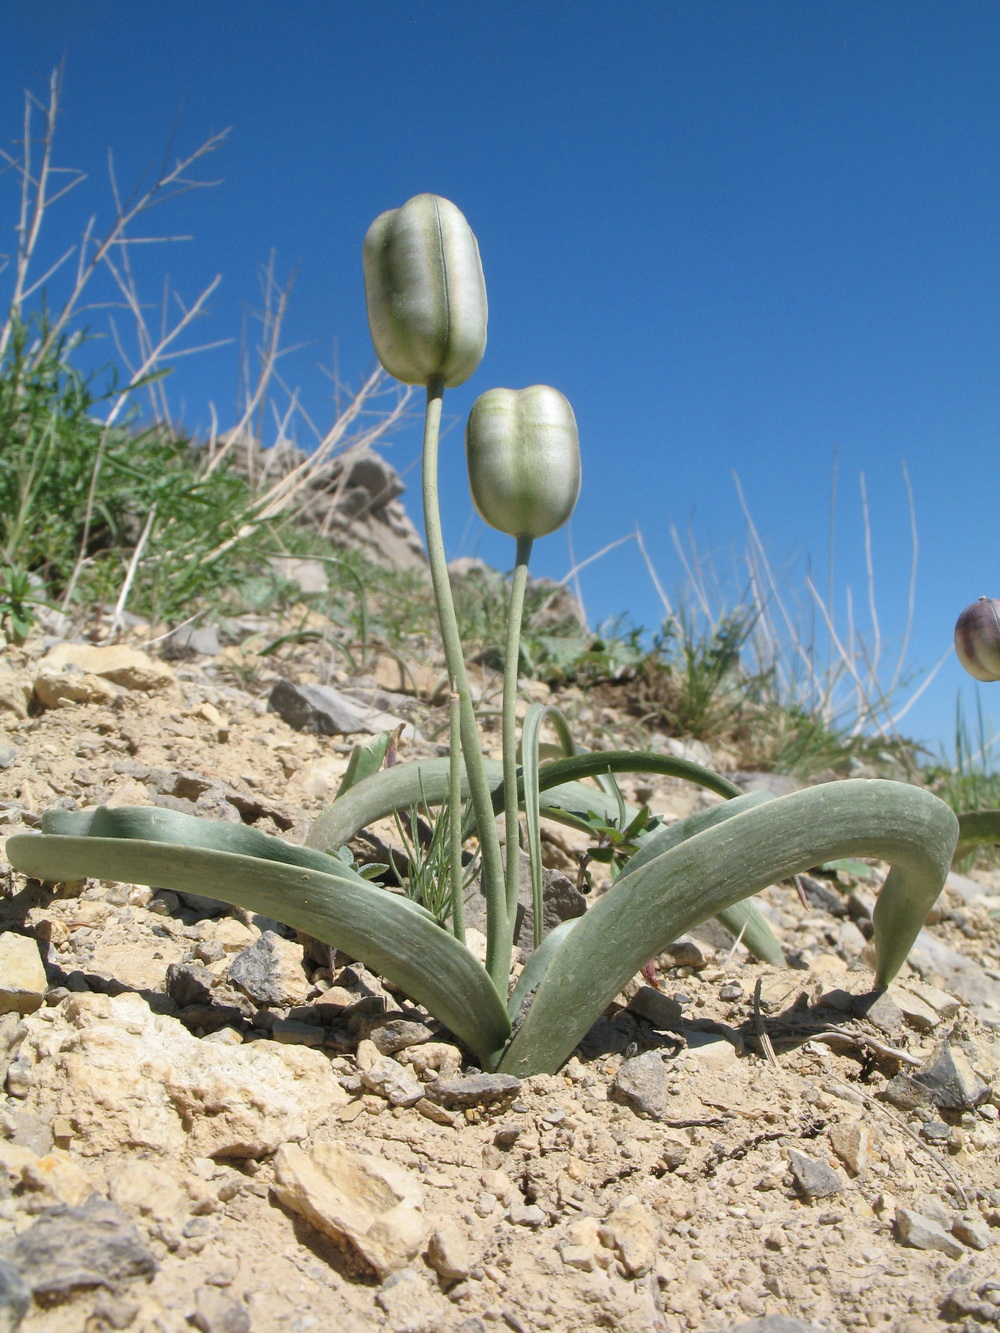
<point>374,1205</point>
<point>22,974</point>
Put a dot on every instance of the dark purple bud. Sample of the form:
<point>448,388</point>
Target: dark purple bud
<point>977,639</point>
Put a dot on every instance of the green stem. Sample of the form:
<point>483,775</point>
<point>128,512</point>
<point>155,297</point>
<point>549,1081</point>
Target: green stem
<point>455,821</point>
<point>512,658</point>
<point>497,952</point>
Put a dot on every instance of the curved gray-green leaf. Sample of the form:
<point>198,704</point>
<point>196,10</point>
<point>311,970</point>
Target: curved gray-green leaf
<point>564,800</point>
<point>906,826</point>
<point>742,919</point>
<point>976,828</point>
<point>406,785</point>
<point>407,947</point>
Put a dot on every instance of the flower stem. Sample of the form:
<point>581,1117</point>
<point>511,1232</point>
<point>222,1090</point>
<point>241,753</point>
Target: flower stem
<point>497,946</point>
<point>455,821</point>
<point>512,655</point>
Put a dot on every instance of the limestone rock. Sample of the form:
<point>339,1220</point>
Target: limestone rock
<point>655,1007</point>
<point>411,1305</point>
<point>851,1142</point>
<point>22,975</point>
<point>127,667</point>
<point>393,1081</point>
<point>631,1230</point>
<point>449,1252</point>
<point>147,1191</point>
<point>126,1077</point>
<point>396,1034</point>
<point>215,1312</point>
<point>972,1231</point>
<point>474,1089</point>
<point>60,688</point>
<point>374,1205</point>
<point>15,692</point>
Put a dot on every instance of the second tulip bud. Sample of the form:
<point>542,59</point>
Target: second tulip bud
<point>523,452</point>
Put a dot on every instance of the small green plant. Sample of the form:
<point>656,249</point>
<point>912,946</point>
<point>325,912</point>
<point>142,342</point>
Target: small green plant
<point>427,311</point>
<point>17,603</point>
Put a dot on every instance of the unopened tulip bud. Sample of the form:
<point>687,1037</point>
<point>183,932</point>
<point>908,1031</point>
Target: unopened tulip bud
<point>523,452</point>
<point>977,639</point>
<point>425,291</point>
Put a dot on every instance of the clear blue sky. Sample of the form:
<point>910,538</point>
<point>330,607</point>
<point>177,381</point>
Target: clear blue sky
<point>738,236</point>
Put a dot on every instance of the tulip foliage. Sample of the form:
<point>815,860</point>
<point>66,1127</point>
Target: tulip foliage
<point>427,312</point>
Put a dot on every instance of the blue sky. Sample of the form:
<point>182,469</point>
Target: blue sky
<point>740,237</point>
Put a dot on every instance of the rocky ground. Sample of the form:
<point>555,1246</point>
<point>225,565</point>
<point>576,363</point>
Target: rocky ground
<point>208,1123</point>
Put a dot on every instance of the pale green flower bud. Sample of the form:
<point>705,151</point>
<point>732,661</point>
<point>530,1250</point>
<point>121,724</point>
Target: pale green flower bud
<point>977,639</point>
<point>425,291</point>
<point>523,452</point>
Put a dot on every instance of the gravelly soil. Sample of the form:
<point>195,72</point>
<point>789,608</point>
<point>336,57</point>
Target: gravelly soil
<point>574,1202</point>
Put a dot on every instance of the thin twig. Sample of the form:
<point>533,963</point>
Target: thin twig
<point>761,1029</point>
<point>900,1124</point>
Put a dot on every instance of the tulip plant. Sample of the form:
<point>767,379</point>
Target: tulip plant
<point>427,312</point>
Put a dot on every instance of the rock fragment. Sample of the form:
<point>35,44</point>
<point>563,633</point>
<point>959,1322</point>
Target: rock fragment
<point>189,983</point>
<point>67,1248</point>
<point>972,1231</point>
<point>15,1297</point>
<point>951,1081</point>
<point>852,1143</point>
<point>632,1232</point>
<point>270,972</point>
<point>655,1007</point>
<point>376,1206</point>
<point>815,1179</point>
<point>22,974</point>
<point>391,1080</point>
<point>396,1034</point>
<point>324,711</point>
<point>215,1312</point>
<point>449,1252</point>
<point>642,1084</point>
<point>410,1305</point>
<point>127,667</point>
<point>473,1089</point>
<point>921,1233</point>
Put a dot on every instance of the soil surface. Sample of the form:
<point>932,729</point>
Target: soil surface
<point>208,1122</point>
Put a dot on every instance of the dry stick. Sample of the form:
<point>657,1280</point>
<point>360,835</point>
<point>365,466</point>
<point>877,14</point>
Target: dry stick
<point>653,576</point>
<point>912,587</point>
<point>862,1039</point>
<point>900,1124</point>
<point>762,1036</point>
<point>119,404</point>
<point>870,575</point>
<point>133,565</point>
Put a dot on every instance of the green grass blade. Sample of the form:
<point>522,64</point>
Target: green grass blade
<point>387,933</point>
<point>637,918</point>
